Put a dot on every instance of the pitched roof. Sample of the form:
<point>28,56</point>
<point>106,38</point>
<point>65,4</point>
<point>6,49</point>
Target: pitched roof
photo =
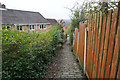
<point>21,17</point>
<point>52,21</point>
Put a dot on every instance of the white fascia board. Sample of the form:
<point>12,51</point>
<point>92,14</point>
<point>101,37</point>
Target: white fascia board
<point>33,24</point>
<point>3,9</point>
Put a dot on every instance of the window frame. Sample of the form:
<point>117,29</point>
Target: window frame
<point>42,26</point>
<point>8,26</point>
<point>39,26</point>
<point>19,27</point>
<point>31,27</point>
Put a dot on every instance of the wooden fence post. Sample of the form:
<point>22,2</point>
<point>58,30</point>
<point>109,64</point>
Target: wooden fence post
<point>77,44</point>
<point>85,50</point>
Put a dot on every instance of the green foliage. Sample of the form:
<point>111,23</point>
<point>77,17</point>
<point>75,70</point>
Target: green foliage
<point>61,31</point>
<point>71,38</point>
<point>78,15</point>
<point>27,55</point>
<point>81,13</point>
<point>102,6</point>
<point>71,35</point>
<point>67,31</point>
<point>75,19</point>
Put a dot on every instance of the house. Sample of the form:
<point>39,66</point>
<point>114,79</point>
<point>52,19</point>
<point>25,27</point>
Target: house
<point>2,5</point>
<point>27,21</point>
<point>53,22</point>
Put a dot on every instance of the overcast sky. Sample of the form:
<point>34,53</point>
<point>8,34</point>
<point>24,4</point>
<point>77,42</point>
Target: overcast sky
<point>48,8</point>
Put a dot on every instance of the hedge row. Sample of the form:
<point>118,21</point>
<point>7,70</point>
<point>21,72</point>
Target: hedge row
<point>27,55</point>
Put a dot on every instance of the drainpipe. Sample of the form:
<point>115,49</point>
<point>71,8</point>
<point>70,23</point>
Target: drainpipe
<point>85,49</point>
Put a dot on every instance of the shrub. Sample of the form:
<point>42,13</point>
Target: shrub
<point>27,55</point>
<point>71,38</point>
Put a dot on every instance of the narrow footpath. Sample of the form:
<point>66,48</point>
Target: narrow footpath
<point>65,65</point>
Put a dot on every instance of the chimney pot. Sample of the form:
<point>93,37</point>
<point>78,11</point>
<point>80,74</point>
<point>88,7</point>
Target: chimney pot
<point>3,6</point>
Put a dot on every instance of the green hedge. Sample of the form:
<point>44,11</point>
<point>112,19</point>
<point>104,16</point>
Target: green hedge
<point>27,55</point>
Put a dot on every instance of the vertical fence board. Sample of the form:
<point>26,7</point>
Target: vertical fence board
<point>110,49</point>
<point>81,43</point>
<point>94,50</point>
<point>96,28</point>
<point>88,48</point>
<point>90,34</point>
<point>75,42</point>
<point>91,38</point>
<point>98,36</point>
<point>118,74</point>
<point>96,43</point>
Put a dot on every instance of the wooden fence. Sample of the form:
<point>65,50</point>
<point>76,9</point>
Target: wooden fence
<point>103,46</point>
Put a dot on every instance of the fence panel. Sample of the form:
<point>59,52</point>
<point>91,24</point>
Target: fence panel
<point>103,46</point>
<point>98,44</point>
<point>91,38</point>
<point>94,44</point>
<point>75,41</point>
<point>118,73</point>
<point>108,27</point>
<point>111,43</point>
<point>81,43</point>
<point>115,59</point>
<point>116,54</point>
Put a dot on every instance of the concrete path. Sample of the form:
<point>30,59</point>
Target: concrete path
<point>65,65</point>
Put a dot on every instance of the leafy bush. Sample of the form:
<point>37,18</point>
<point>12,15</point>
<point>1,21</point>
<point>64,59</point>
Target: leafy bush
<point>71,36</point>
<point>72,29</point>
<point>27,55</point>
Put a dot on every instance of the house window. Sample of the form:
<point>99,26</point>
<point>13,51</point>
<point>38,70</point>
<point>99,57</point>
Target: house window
<point>42,26</point>
<point>19,28</point>
<point>8,27</point>
<point>32,27</point>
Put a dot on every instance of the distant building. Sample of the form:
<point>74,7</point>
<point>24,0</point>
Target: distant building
<point>2,6</point>
<point>52,22</point>
<point>27,21</point>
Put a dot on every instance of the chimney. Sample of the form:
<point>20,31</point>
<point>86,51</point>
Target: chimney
<point>3,6</point>
<point>0,5</point>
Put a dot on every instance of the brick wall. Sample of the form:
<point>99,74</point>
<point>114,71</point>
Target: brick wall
<point>25,28</point>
